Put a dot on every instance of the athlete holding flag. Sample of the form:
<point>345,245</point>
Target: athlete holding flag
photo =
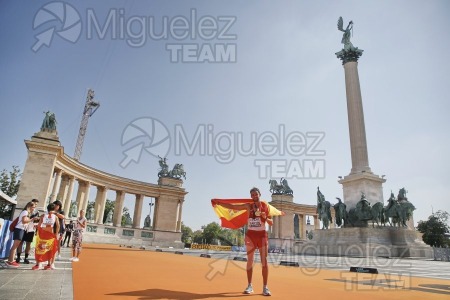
<point>256,213</point>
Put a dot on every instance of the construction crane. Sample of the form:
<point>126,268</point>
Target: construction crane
<point>90,108</point>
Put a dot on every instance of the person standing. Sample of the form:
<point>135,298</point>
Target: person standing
<point>77,239</point>
<point>256,236</point>
<point>47,241</point>
<point>18,234</point>
<point>69,230</point>
<point>29,233</point>
<point>60,214</point>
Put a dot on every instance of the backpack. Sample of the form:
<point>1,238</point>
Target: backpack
<point>13,224</point>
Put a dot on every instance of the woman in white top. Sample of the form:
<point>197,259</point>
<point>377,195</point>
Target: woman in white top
<point>19,231</point>
<point>77,239</point>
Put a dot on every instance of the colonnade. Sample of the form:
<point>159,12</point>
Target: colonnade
<point>63,188</point>
<point>50,174</point>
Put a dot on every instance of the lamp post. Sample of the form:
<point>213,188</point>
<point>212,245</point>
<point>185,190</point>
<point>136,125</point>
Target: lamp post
<point>150,214</point>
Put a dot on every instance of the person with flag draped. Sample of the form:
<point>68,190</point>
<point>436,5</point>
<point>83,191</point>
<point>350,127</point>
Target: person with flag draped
<point>255,214</point>
<point>46,239</point>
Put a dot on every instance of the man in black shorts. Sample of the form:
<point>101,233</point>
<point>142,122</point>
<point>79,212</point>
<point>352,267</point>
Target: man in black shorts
<point>29,233</point>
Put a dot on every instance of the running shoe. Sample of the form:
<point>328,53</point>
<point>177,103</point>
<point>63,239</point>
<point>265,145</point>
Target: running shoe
<point>266,292</point>
<point>12,264</point>
<point>75,259</point>
<point>35,267</point>
<point>249,289</point>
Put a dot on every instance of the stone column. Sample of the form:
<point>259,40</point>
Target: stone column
<point>138,211</point>
<point>99,207</point>
<point>56,184</point>
<point>82,195</point>
<point>63,187</point>
<point>118,207</point>
<point>68,197</point>
<point>316,222</point>
<point>301,226</point>
<point>361,179</point>
<point>180,211</point>
<point>355,113</point>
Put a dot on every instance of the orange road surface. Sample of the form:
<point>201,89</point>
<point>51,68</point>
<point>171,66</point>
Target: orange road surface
<point>113,272</point>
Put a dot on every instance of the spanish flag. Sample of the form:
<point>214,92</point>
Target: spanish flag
<point>46,245</point>
<point>233,218</point>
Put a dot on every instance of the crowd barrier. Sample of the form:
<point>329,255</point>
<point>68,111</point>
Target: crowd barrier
<point>218,248</point>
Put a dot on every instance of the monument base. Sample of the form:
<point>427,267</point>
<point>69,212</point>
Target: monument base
<point>105,234</point>
<point>366,242</point>
<point>369,183</point>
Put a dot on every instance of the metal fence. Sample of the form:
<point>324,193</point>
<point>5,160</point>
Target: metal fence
<point>442,254</point>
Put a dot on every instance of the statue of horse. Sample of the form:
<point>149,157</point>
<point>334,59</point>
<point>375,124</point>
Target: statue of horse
<point>340,210</point>
<point>377,213</point>
<point>178,172</point>
<point>164,172</point>
<point>285,186</point>
<point>324,210</point>
<point>398,212</point>
<point>275,188</point>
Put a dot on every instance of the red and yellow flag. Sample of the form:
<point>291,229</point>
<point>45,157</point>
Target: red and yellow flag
<point>46,245</point>
<point>234,218</point>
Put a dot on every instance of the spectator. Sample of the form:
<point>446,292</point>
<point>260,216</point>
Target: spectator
<point>60,214</point>
<point>69,230</point>
<point>78,236</point>
<point>29,233</point>
<point>19,231</point>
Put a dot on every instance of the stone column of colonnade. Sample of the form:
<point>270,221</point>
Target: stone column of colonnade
<point>63,187</point>
<point>56,184</point>
<point>301,226</point>
<point>82,194</point>
<point>138,211</point>
<point>68,197</point>
<point>316,222</point>
<point>118,207</point>
<point>180,211</point>
<point>99,206</point>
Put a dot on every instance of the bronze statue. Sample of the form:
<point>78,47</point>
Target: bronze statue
<point>402,194</point>
<point>323,209</point>
<point>147,221</point>
<point>280,189</point>
<point>347,33</point>
<point>49,122</point>
<point>350,52</point>
<point>340,210</point>
<point>164,171</point>
<point>177,172</point>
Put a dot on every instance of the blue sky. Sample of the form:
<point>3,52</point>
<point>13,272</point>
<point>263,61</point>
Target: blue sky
<point>283,74</point>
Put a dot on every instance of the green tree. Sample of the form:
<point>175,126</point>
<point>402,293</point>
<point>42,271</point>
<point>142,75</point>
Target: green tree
<point>434,229</point>
<point>197,236</point>
<point>9,184</point>
<point>10,181</point>
<point>211,233</point>
<point>186,234</point>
